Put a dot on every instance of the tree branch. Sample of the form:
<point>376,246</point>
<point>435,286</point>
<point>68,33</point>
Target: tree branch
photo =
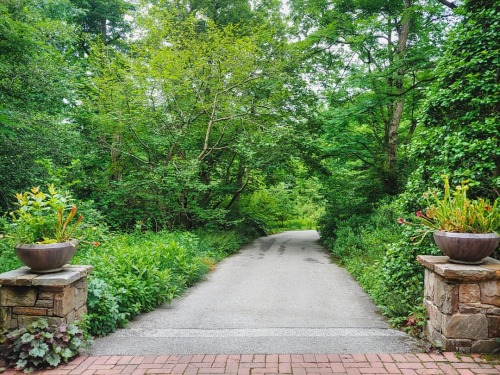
<point>124,152</point>
<point>449,4</point>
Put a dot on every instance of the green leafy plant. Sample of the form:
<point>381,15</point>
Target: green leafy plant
<point>455,212</point>
<point>104,315</point>
<point>44,217</point>
<point>40,345</point>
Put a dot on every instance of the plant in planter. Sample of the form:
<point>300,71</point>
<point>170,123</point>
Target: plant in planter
<point>44,227</point>
<point>465,230</point>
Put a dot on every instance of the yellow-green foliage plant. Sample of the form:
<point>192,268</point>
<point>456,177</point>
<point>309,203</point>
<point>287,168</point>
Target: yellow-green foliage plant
<point>455,212</point>
<point>44,217</point>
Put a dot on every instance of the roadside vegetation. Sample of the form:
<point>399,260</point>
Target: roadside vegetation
<point>456,134</point>
<point>184,129</point>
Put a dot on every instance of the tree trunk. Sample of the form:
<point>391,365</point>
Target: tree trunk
<point>115,167</point>
<point>393,130</point>
<point>104,31</point>
<point>242,172</point>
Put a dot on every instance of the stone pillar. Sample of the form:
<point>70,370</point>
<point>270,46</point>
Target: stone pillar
<point>462,304</point>
<point>59,297</point>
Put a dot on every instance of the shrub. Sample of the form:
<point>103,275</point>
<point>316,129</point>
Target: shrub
<point>8,259</point>
<point>104,315</point>
<point>382,258</point>
<point>40,345</point>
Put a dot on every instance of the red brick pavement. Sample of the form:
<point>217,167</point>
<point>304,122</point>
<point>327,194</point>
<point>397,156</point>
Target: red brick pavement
<point>266,364</point>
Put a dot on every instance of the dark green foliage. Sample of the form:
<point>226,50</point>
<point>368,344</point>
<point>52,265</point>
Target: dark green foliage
<point>36,92</point>
<point>223,12</point>
<point>8,258</point>
<point>40,345</point>
<point>461,114</point>
<point>103,19</point>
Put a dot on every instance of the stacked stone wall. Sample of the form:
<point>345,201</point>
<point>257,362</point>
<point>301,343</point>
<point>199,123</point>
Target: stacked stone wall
<point>462,304</point>
<point>26,297</point>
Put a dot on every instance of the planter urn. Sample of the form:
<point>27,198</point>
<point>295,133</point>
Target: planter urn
<point>46,258</point>
<point>466,248</point>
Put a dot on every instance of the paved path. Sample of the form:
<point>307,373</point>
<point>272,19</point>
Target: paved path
<point>281,294</point>
<point>309,364</point>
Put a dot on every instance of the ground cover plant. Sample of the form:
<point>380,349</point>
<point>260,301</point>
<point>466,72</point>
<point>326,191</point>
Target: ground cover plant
<point>40,345</point>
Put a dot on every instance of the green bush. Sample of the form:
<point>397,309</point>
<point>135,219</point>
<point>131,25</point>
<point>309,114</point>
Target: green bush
<point>382,257</point>
<point>40,345</point>
<point>8,258</point>
<point>460,117</point>
<point>104,315</point>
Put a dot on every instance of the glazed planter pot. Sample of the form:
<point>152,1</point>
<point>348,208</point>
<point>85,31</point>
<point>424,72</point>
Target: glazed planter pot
<point>46,258</point>
<point>466,248</point>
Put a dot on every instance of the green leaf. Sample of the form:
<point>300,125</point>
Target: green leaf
<point>39,349</point>
<point>21,363</point>
<point>53,360</point>
<point>67,354</point>
<point>27,338</point>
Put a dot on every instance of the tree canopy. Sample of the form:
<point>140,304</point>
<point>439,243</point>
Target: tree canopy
<point>183,113</point>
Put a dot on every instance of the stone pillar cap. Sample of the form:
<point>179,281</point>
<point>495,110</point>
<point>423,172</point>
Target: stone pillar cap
<point>490,269</point>
<point>24,277</point>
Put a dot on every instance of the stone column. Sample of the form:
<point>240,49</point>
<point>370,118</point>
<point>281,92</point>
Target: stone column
<point>462,304</point>
<point>59,297</point>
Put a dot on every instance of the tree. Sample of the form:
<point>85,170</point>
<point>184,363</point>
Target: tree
<point>36,91</point>
<point>102,19</point>
<point>223,12</point>
<point>200,115</point>
<point>372,59</point>
<point>461,113</point>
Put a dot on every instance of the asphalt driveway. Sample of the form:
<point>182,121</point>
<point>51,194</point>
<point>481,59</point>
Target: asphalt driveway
<point>280,294</point>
